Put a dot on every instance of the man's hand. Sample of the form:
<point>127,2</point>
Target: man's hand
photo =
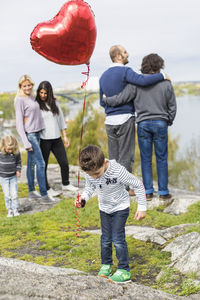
<point>167,77</point>
<point>139,215</point>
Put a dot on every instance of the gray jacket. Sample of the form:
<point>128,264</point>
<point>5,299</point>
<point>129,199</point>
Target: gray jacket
<point>157,101</point>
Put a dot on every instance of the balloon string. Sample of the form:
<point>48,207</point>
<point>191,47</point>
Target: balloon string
<point>87,74</point>
<point>81,140</point>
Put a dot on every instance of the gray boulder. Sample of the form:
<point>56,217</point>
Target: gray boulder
<point>185,252</point>
<point>181,204</point>
<point>21,280</point>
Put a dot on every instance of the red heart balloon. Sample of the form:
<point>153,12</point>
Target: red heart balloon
<point>69,38</point>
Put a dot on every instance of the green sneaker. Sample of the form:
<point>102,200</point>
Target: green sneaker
<point>121,276</point>
<point>105,271</point>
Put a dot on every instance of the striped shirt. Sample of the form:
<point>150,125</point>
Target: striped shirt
<point>9,164</point>
<point>111,189</point>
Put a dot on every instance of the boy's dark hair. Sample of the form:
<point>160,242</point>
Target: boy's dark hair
<point>152,63</point>
<point>91,158</point>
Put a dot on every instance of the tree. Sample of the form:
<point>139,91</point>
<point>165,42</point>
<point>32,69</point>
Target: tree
<point>93,133</point>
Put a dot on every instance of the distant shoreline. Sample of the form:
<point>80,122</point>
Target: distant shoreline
<point>177,84</point>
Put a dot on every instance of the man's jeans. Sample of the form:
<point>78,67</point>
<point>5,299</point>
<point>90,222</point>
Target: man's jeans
<point>154,132</point>
<point>9,187</point>
<point>121,143</point>
<point>35,158</point>
<point>113,230</point>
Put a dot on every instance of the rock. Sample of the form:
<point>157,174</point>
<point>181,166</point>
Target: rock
<point>21,280</point>
<point>155,202</point>
<point>181,204</point>
<point>53,173</point>
<point>185,252</point>
<point>30,206</point>
<point>173,231</point>
<point>149,234</point>
<point>25,205</point>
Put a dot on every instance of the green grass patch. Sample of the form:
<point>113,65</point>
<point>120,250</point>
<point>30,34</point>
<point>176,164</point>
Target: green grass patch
<point>49,238</point>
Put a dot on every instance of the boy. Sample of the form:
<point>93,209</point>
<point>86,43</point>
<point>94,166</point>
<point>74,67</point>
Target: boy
<point>110,180</point>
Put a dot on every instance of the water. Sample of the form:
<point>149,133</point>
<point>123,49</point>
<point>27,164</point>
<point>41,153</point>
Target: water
<point>186,125</point>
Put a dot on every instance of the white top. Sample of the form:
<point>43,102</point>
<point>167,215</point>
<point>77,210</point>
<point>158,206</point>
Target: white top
<point>111,189</point>
<point>53,124</point>
<point>117,119</point>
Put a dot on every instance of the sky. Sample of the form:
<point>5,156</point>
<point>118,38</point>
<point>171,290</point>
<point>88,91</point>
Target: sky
<point>167,27</point>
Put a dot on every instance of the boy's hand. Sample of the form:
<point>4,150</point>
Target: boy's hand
<point>139,215</point>
<point>79,202</point>
<point>83,202</point>
<point>18,174</point>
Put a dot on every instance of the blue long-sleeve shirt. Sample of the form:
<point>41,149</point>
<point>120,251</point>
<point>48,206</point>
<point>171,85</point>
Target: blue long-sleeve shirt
<point>113,81</point>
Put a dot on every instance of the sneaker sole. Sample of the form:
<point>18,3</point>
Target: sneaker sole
<point>54,195</point>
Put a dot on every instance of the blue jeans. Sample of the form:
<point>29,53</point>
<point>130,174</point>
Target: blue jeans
<point>35,158</point>
<point>154,132</point>
<point>113,230</point>
<point>9,187</point>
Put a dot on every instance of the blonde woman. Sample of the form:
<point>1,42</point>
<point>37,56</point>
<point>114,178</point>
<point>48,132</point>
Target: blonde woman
<point>29,124</point>
<point>10,169</point>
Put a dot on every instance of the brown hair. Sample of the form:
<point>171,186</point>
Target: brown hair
<point>9,143</point>
<point>152,63</point>
<point>114,51</point>
<point>91,158</point>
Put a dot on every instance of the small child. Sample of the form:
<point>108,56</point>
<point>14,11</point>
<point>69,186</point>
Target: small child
<point>10,169</point>
<point>110,179</point>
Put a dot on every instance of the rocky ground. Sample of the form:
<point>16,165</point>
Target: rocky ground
<point>23,280</point>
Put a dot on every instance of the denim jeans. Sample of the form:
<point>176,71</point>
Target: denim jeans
<point>154,132</point>
<point>35,158</point>
<point>58,149</point>
<point>113,230</point>
<point>9,187</point>
<point>121,143</point>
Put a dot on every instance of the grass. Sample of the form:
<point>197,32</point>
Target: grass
<point>49,238</point>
